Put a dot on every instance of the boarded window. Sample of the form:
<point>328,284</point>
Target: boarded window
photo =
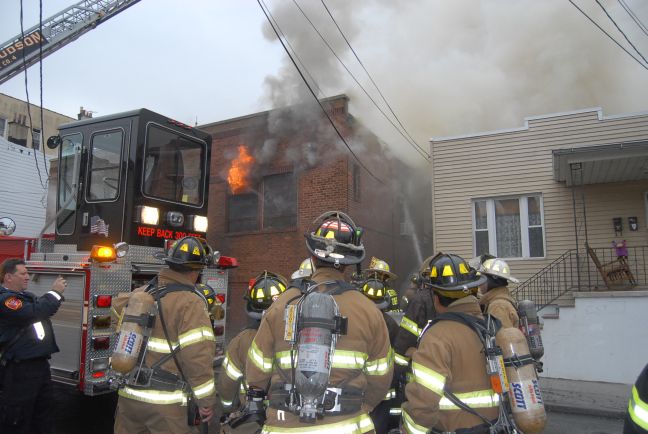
<point>279,201</point>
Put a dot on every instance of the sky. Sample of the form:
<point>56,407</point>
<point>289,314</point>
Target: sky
<point>446,67</point>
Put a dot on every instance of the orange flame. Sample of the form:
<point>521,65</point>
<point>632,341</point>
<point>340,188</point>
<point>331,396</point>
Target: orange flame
<point>237,176</point>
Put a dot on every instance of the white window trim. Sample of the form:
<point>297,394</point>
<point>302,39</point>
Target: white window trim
<point>524,222</point>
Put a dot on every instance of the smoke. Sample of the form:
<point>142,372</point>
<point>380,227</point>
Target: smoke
<point>462,66</point>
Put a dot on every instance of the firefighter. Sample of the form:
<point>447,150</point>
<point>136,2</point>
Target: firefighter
<point>26,343</point>
<point>496,298</point>
<point>263,290</point>
<point>361,361</point>
<point>166,405</point>
<point>636,419</point>
<point>450,357</point>
<point>419,310</point>
<point>375,287</point>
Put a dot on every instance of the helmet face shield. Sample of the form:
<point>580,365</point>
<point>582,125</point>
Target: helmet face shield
<point>335,238</point>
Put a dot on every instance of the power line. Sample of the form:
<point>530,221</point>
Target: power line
<point>608,35</point>
<point>634,17</point>
<point>371,78</point>
<point>356,80</point>
<point>621,31</point>
<point>22,35</point>
<point>263,7</point>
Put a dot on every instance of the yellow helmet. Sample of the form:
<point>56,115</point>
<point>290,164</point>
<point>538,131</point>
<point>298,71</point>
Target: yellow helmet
<point>379,268</point>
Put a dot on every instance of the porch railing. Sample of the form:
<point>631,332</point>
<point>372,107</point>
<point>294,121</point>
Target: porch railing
<point>562,274</point>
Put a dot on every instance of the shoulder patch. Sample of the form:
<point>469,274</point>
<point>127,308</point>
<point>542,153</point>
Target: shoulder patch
<point>13,303</point>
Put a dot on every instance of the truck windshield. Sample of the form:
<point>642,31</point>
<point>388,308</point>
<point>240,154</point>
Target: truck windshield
<point>174,166</point>
<point>68,179</point>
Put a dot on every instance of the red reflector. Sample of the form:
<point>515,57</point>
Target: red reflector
<point>219,330</point>
<point>101,343</point>
<point>221,298</point>
<point>227,262</point>
<point>99,374</point>
<point>103,301</point>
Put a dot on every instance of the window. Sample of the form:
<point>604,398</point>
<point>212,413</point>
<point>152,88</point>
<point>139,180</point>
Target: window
<point>273,207</point>
<point>174,167</point>
<point>104,168</point>
<point>3,128</point>
<point>36,138</point>
<point>67,184</point>
<point>509,227</point>
<point>279,201</point>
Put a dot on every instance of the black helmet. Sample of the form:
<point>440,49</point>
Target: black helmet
<point>263,290</point>
<point>450,276</point>
<point>376,290</point>
<point>335,239</point>
<point>191,253</point>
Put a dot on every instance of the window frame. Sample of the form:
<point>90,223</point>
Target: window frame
<point>259,191</point>
<point>524,225</point>
<point>40,139</point>
<point>5,131</point>
<point>60,183</point>
<point>89,166</point>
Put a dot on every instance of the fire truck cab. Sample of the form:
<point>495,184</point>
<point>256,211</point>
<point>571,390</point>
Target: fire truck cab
<point>128,185</point>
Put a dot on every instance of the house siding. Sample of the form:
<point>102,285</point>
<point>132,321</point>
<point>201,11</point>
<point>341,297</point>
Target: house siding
<point>520,162</point>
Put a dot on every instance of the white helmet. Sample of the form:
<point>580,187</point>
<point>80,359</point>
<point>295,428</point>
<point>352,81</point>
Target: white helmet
<point>498,268</point>
<point>306,269</point>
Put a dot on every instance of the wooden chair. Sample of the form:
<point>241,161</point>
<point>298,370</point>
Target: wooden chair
<point>614,273</point>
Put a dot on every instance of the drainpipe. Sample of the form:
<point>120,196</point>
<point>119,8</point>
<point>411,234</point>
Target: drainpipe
<point>573,167</point>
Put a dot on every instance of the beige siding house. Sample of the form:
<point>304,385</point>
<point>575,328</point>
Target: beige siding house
<point>534,194</point>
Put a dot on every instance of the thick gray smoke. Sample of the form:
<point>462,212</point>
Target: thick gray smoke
<point>463,66</point>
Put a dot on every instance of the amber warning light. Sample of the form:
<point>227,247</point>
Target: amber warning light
<point>103,253</point>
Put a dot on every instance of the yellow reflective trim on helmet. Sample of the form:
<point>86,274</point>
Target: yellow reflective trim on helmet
<point>260,293</point>
<point>428,378</point>
<point>154,396</point>
<point>196,251</point>
<point>637,409</point>
<point>411,426</point>
<point>185,247</point>
<point>463,269</point>
<point>274,290</point>
<point>447,271</point>
<point>205,389</point>
<point>261,362</point>
<point>357,425</point>
<point>479,399</point>
<point>370,291</point>
<point>434,272</point>
<point>330,234</point>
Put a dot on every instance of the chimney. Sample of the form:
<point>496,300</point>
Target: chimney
<point>84,114</point>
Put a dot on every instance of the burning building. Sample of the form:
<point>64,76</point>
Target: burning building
<point>274,172</point>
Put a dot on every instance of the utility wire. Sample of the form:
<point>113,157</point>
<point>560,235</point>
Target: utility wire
<point>420,151</point>
<point>263,7</point>
<point>608,35</point>
<point>22,35</point>
<point>372,80</point>
<point>621,31</point>
<point>634,17</point>
<point>40,64</point>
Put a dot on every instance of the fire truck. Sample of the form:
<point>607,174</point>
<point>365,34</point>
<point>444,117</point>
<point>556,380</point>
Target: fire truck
<point>128,186</point>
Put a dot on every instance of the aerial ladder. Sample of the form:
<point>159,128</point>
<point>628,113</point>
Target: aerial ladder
<point>24,50</point>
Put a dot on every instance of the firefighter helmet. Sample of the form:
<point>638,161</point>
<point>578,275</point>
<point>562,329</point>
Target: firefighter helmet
<point>498,268</point>
<point>189,252</point>
<point>450,276</point>
<point>263,290</point>
<point>305,269</point>
<point>207,292</point>
<point>335,239</point>
<point>376,290</point>
<point>478,261</point>
<point>379,268</point>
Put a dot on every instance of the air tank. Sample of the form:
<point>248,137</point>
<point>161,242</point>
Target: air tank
<point>131,334</point>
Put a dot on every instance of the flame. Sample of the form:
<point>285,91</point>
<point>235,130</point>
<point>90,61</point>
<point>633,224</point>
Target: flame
<point>237,176</point>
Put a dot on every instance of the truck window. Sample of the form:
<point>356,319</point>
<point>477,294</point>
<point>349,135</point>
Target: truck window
<point>174,167</point>
<point>104,168</point>
<point>68,181</point>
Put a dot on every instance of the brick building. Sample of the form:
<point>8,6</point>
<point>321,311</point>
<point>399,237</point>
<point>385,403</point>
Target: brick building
<point>274,172</point>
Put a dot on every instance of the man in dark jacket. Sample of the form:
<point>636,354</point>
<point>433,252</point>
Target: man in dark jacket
<point>26,343</point>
